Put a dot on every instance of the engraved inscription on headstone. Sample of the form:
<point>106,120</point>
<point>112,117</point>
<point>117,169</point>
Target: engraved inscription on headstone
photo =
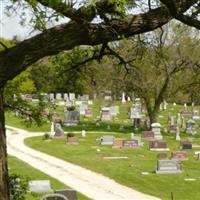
<point>168,167</point>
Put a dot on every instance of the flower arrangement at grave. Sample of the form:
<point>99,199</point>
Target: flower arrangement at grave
<point>70,135</point>
<point>71,139</point>
<point>71,108</point>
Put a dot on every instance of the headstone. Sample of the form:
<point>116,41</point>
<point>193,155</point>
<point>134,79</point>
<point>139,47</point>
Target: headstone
<point>54,197</point>
<point>66,97</point>
<point>195,115</point>
<point>72,140</point>
<point>56,118</point>
<point>149,135</point>
<point>123,98</point>
<point>183,125</point>
<point>161,107</point>
<point>85,97</point>
<point>185,106</point>
<point>198,156</point>
<point>131,143</point>
<point>186,113</point>
<point>83,108</point>
<point>52,131</point>
<point>69,193</point>
<point>105,114</point>
<point>132,135</point>
<point>190,127</point>
<point>171,120</point>
<point>173,129</point>
<point>165,105</point>
<point>51,95</point>
<point>162,156</point>
<point>90,102</point>
<point>114,110</point>
<point>59,133</point>
<point>178,119</point>
<point>83,133</point>
<point>108,96</point>
<point>118,143</point>
<point>71,118</point>
<point>156,128</point>
<point>179,155</point>
<point>68,104</point>
<point>72,96</point>
<point>168,167</point>
<point>186,145</point>
<point>40,186</point>
<point>88,113</point>
<point>107,140</point>
<point>158,145</point>
<point>58,96</point>
<point>178,138</point>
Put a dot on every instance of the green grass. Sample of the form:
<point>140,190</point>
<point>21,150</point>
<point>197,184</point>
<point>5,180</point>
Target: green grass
<point>126,172</point>
<point>18,167</point>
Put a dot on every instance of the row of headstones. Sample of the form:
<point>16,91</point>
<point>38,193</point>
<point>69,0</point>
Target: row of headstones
<point>164,165</point>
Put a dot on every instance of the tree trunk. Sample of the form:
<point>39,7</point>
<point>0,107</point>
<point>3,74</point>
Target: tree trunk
<point>153,117</point>
<point>4,188</point>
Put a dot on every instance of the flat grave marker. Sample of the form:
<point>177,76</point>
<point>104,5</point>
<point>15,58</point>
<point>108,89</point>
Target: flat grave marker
<point>43,186</point>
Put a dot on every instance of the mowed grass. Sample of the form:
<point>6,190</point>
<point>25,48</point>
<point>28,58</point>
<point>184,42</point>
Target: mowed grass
<point>127,172</point>
<point>18,167</point>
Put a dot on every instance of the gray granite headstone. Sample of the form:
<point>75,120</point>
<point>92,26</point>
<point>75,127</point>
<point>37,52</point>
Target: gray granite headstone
<point>40,186</point>
<point>59,132</point>
<point>168,167</point>
<point>107,140</point>
<point>69,193</point>
<point>71,118</point>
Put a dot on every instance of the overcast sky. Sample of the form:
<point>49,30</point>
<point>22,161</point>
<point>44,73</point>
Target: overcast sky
<point>9,26</point>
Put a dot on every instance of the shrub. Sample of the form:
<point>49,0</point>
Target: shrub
<point>18,187</point>
<point>71,108</point>
<point>70,134</point>
<point>46,136</point>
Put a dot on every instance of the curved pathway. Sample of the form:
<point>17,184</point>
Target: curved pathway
<point>91,184</point>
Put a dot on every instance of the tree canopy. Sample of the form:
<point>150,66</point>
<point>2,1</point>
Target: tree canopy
<point>90,23</point>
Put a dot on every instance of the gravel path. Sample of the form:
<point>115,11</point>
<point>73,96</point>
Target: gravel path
<point>91,184</point>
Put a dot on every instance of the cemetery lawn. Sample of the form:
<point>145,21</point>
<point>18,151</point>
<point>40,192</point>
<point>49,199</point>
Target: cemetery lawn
<point>18,167</point>
<point>128,172</point>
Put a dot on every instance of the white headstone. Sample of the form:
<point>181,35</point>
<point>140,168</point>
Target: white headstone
<point>52,132</point>
<point>83,133</point>
<point>185,106</point>
<point>178,119</point>
<point>156,128</point>
<point>165,105</point>
<point>58,96</point>
<point>40,186</point>
<point>123,98</point>
<point>71,96</point>
<point>178,134</point>
<point>51,95</point>
<point>66,96</point>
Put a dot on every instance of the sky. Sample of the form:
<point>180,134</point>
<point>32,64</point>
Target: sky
<point>9,26</point>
